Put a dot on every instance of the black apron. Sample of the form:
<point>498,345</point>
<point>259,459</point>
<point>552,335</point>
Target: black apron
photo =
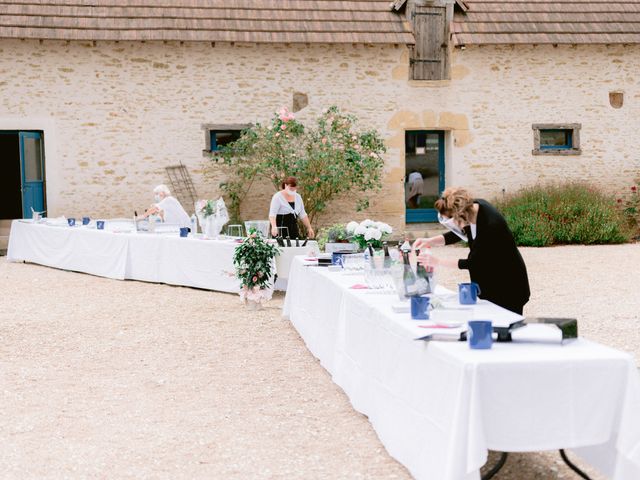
<point>290,221</point>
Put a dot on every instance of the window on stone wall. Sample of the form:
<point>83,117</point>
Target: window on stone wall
<point>217,136</point>
<point>556,139</point>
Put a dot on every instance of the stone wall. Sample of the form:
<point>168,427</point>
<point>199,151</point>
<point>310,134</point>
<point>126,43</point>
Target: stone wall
<point>115,114</point>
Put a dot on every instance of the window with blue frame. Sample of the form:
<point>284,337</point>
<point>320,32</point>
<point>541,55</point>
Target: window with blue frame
<point>556,139</point>
<point>220,138</point>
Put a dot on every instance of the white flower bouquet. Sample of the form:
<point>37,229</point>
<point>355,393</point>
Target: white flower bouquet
<point>368,232</point>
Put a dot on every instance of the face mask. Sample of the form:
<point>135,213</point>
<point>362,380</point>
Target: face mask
<point>291,190</point>
<point>157,197</point>
<point>451,225</point>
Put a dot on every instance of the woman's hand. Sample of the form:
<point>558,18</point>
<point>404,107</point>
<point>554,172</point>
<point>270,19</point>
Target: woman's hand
<point>274,231</point>
<point>311,233</point>
<point>436,241</point>
<point>428,260</point>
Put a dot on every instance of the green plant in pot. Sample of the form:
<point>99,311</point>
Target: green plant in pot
<point>336,233</point>
<point>254,263</point>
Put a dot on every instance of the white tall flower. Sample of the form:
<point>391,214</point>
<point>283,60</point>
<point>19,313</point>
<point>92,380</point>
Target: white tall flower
<point>384,227</point>
<point>351,227</point>
<point>372,233</point>
<point>368,223</point>
<point>360,230</point>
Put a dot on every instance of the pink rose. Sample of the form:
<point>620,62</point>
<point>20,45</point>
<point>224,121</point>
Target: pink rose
<point>255,279</point>
<point>283,127</point>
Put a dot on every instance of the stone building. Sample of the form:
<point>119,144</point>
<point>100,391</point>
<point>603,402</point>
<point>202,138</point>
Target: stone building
<point>98,97</point>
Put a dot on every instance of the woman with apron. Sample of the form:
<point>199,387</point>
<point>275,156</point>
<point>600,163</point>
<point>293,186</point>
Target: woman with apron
<point>285,210</point>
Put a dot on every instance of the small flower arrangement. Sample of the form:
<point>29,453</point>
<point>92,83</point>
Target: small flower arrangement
<point>336,233</point>
<point>369,232</point>
<point>205,208</point>
<point>254,262</point>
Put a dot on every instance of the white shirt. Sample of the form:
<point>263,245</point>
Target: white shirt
<point>173,212</point>
<point>474,229</point>
<point>280,206</point>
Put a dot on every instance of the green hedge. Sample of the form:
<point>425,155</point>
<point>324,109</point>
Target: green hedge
<point>563,214</point>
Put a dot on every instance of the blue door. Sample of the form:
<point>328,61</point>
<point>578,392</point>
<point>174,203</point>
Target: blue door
<point>424,179</point>
<point>32,169</point>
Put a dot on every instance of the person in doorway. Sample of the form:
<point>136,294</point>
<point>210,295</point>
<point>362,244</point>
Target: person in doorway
<point>494,262</point>
<point>416,189</point>
<point>285,210</point>
<point>168,208</point>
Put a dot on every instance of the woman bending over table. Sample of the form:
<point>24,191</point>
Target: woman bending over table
<point>285,210</point>
<point>494,262</point>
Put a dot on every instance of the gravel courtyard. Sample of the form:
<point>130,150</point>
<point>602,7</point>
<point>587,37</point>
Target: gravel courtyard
<point>109,379</point>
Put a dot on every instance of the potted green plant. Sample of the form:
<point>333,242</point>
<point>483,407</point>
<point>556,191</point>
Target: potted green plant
<point>254,261</point>
<point>333,237</point>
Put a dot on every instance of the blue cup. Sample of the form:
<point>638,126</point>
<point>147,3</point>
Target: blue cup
<point>100,224</point>
<point>468,293</point>
<point>479,334</point>
<point>85,220</point>
<point>420,307</point>
<point>184,232</point>
<point>336,258</point>
<point>71,221</point>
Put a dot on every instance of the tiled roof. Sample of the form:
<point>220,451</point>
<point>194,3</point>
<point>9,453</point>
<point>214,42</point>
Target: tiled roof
<point>255,21</point>
<point>547,21</point>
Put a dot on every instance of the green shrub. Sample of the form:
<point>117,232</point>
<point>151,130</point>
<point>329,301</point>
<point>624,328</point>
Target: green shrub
<point>563,214</point>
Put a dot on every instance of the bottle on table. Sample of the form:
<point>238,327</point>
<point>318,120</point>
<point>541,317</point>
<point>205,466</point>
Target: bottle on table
<point>425,273</point>
<point>408,277</point>
<point>194,225</point>
<point>387,257</point>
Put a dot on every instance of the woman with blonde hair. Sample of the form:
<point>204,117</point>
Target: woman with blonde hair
<point>494,262</point>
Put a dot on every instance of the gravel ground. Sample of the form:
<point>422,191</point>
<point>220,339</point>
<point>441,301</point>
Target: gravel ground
<point>108,379</point>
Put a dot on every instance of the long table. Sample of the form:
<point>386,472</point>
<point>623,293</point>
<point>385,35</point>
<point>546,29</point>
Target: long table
<point>438,407</point>
<point>151,257</point>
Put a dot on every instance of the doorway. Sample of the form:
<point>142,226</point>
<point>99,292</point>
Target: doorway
<point>22,183</point>
<point>424,175</point>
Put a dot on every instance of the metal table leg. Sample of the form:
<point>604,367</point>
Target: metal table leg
<point>572,466</point>
<point>496,468</point>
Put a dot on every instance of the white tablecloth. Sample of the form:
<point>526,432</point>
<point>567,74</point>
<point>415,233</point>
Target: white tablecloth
<point>438,407</point>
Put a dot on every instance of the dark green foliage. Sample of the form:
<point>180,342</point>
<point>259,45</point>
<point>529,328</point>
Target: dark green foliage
<point>571,213</point>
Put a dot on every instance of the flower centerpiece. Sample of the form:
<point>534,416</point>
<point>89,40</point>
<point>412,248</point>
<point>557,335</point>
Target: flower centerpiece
<point>254,262</point>
<point>212,215</point>
<point>369,232</point>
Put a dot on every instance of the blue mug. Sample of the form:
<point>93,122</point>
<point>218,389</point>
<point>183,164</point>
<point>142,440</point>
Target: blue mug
<point>468,293</point>
<point>71,221</point>
<point>420,307</point>
<point>479,334</point>
<point>184,232</point>
<point>100,224</point>
<point>85,220</point>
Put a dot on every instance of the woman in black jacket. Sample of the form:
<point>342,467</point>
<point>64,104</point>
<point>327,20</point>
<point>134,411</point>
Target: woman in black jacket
<point>494,261</point>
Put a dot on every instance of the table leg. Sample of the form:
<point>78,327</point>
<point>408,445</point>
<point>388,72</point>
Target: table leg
<point>572,466</point>
<point>496,468</point>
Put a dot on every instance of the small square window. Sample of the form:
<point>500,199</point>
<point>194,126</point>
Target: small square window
<point>556,139</point>
<point>217,136</point>
<point>220,138</point>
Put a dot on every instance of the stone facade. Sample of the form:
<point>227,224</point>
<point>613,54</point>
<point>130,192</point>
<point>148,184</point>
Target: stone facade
<point>115,114</point>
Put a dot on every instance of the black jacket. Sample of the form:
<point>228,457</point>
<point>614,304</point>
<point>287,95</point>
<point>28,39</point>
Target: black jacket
<point>494,261</point>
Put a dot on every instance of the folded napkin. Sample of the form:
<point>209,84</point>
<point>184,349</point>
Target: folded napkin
<point>359,286</point>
